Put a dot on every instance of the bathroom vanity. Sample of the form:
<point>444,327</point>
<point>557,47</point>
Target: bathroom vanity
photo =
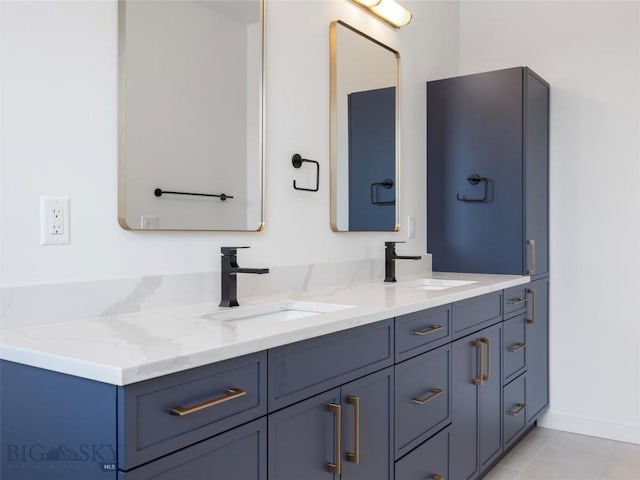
<point>369,381</point>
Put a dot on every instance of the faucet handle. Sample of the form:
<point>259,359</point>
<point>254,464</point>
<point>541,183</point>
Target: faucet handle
<point>229,250</point>
<point>391,244</point>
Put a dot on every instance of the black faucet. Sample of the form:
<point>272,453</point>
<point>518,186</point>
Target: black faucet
<point>228,279</point>
<point>389,260</point>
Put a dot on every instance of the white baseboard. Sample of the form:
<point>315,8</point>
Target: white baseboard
<point>589,426</point>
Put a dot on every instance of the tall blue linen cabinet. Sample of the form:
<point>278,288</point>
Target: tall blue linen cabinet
<point>488,212</point>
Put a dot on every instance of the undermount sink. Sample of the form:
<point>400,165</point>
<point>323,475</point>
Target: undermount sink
<point>275,312</point>
<point>434,284</point>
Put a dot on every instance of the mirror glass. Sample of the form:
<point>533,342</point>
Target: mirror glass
<point>191,115</point>
<point>364,132</point>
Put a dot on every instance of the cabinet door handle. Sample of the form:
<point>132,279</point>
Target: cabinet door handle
<point>427,331</point>
<point>355,402</point>
<point>336,468</point>
<point>232,394</point>
<point>532,270</point>
<point>516,301</point>
<point>516,347</point>
<point>520,408</point>
<point>478,381</point>
<point>437,476</point>
<point>487,376</point>
<point>436,392</point>
<point>532,292</point>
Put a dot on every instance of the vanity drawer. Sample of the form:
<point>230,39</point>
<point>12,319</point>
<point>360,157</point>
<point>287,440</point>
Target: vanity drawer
<point>234,389</point>
<point>422,398</point>
<point>515,300</point>
<point>240,454</point>
<point>428,461</point>
<point>514,408</point>
<point>514,347</point>
<point>475,313</point>
<point>419,332</point>
<point>303,369</point>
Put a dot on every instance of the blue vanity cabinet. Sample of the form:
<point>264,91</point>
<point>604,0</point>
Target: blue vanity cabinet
<point>537,351</point>
<point>344,433</point>
<point>487,173</point>
<point>476,420</point>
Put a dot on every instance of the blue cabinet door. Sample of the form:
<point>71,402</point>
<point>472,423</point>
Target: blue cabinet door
<point>490,405</point>
<point>474,126</point>
<point>476,422</point>
<point>536,162</point>
<point>303,439</point>
<point>493,126</point>
<point>537,352</point>
<point>370,402</point>
<point>464,411</point>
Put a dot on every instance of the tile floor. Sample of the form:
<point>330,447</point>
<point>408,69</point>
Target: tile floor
<point>553,455</point>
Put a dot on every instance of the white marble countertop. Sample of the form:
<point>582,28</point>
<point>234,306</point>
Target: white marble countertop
<point>125,349</point>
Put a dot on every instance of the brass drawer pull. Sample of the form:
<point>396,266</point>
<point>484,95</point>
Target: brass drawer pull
<point>232,394</point>
<point>435,393</point>
<point>521,407</point>
<point>532,292</point>
<point>517,347</point>
<point>427,331</point>
<point>532,271</point>
<point>436,476</point>
<point>487,341</point>
<point>478,381</point>
<point>516,301</point>
<point>336,468</point>
<point>355,402</point>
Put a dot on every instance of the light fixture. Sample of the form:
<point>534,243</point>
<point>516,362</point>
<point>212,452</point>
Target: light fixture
<point>388,10</point>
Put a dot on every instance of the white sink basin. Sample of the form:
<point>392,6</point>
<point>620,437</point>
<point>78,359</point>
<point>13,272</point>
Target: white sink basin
<point>434,284</point>
<point>274,312</point>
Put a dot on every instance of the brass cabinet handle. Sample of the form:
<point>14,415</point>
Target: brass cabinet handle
<point>436,392</point>
<point>436,476</point>
<point>478,381</point>
<point>427,331</point>
<point>532,292</point>
<point>336,468</point>
<point>516,301</point>
<point>355,402</point>
<point>516,347</point>
<point>532,271</point>
<point>232,394</point>
<point>487,341</point>
<point>521,407</point>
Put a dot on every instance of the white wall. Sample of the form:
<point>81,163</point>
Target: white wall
<point>590,54</point>
<point>58,137</point>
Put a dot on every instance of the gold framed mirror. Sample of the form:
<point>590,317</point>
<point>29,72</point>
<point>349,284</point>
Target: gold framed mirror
<point>365,146</point>
<point>191,115</point>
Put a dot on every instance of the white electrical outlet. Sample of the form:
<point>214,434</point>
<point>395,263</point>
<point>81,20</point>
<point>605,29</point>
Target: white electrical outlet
<point>411,227</point>
<point>149,222</point>
<point>54,220</point>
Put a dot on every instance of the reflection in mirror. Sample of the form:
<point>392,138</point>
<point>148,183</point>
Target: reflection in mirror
<point>364,132</point>
<point>191,115</point>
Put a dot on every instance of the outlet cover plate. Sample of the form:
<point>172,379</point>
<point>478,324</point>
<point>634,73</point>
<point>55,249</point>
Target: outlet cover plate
<point>54,220</point>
